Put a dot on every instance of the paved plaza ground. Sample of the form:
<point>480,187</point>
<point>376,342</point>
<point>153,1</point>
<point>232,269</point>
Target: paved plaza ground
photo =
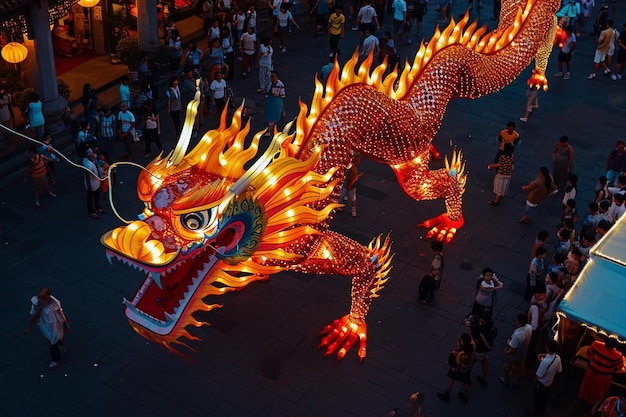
<point>259,357</point>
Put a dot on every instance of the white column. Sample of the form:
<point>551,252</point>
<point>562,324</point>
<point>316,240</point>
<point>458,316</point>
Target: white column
<point>44,76</point>
<point>147,25</point>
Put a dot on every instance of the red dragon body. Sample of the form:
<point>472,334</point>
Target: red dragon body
<point>210,225</point>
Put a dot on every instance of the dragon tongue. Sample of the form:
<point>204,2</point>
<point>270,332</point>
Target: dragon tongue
<point>156,278</point>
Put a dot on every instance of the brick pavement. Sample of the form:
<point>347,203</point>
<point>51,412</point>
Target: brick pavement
<point>259,357</point>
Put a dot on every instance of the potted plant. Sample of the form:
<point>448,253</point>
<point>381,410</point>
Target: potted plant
<point>128,49</point>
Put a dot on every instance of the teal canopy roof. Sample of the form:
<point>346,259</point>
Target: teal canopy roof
<point>598,298</point>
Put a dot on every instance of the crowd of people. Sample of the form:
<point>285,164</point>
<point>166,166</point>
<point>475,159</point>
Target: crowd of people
<point>531,346</point>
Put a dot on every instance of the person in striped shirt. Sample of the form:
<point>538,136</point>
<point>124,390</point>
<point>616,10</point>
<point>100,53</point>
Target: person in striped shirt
<point>36,167</point>
<point>604,360</point>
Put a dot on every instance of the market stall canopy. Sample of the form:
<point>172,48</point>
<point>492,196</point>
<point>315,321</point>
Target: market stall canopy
<point>598,298</point>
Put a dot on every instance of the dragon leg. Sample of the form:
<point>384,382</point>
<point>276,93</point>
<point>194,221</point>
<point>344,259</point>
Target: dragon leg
<point>538,77</point>
<point>448,183</point>
<point>368,266</point>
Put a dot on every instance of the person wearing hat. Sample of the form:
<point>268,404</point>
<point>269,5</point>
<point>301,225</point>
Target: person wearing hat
<point>92,179</point>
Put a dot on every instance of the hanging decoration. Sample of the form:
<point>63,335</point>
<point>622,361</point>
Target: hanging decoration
<point>14,52</point>
<point>210,225</point>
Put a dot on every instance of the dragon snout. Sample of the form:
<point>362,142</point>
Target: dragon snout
<point>133,241</point>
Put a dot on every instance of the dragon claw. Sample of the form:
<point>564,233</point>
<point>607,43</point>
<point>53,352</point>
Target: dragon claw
<point>538,80</point>
<point>442,228</point>
<point>340,336</point>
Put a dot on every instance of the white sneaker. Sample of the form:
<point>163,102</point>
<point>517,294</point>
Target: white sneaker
<point>524,119</point>
<point>591,76</point>
<point>566,76</point>
<point>558,74</point>
<point>619,76</point>
<point>614,77</point>
<point>53,365</point>
<point>607,71</point>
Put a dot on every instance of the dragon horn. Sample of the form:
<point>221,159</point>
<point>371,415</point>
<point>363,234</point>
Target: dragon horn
<point>258,167</point>
<point>185,137</point>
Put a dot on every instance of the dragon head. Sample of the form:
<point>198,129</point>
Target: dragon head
<point>210,225</point>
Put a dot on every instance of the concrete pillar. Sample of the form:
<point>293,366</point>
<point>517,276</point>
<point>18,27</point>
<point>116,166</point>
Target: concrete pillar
<point>147,25</point>
<point>43,75</point>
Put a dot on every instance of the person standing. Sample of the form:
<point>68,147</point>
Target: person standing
<point>370,45</point>
<point>175,48</point>
<point>247,46</point>
<point>124,90</point>
<point>399,19</point>
<point>34,112</point>
<point>92,184</point>
<point>282,26</point>
<point>336,29</point>
<point>604,360</point>
<point>570,12</point>
<point>47,312</point>
<point>516,348</point>
<point>484,335</point>
<point>486,291</point>
<point>604,43</point>
<point>174,103</point>
<point>218,93</point>
<point>565,54</point>
<point>549,366</point>
<point>6,108</point>
<point>502,180</point>
<point>151,127</point>
<point>274,108</point>
<point>265,63</point>
<point>461,361</point>
<point>126,126</point>
<point>535,272</point>
<point>538,189</point>
<point>107,122</point>
<point>621,55</point>
<point>508,135</point>
<point>615,163</point>
<point>36,168</point>
<point>563,159</point>
<point>367,18</point>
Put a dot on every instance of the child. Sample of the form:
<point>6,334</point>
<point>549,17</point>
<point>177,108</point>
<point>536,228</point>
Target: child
<point>105,162</point>
<point>532,102</point>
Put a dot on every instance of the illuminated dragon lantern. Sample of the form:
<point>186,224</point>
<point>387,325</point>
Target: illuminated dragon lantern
<point>225,214</point>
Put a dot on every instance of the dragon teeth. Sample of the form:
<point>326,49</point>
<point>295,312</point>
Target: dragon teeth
<point>109,258</point>
<point>156,277</point>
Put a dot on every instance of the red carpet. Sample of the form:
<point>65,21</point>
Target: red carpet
<point>64,64</point>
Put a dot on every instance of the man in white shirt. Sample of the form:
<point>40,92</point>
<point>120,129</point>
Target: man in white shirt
<point>516,349</point>
<point>370,43</point>
<point>548,367</point>
<point>367,18</point>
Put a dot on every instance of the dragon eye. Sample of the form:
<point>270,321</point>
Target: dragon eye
<point>199,220</point>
